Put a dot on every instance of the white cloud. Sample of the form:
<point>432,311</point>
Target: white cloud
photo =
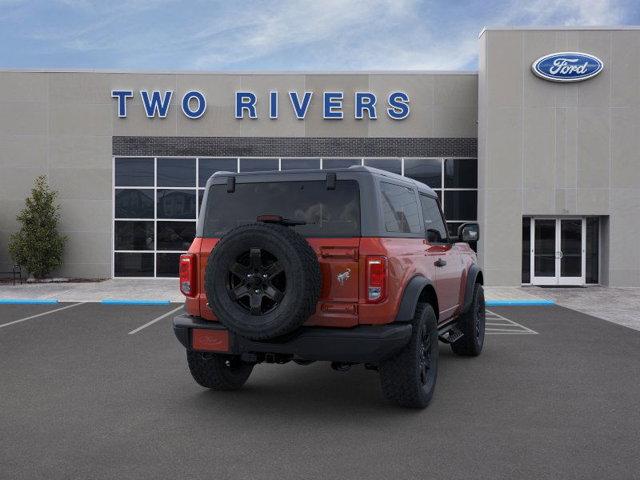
<point>300,34</point>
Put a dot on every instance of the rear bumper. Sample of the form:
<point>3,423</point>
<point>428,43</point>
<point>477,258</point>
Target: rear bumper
<point>362,344</point>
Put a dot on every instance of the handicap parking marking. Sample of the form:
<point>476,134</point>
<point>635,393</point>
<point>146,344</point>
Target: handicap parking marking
<point>496,324</point>
<point>37,315</point>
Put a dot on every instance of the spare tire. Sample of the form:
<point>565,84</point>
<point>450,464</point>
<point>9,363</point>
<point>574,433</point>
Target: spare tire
<point>262,280</point>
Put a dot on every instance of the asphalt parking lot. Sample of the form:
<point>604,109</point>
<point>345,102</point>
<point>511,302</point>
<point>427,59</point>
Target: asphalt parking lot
<point>87,393</point>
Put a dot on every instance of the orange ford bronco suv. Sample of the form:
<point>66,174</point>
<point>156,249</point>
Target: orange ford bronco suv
<point>350,266</point>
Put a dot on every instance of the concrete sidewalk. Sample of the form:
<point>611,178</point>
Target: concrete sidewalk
<point>165,289</point>
<point>617,305</point>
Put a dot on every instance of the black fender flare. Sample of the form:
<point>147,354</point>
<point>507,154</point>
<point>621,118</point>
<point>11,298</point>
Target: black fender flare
<point>472,277</point>
<point>410,298</point>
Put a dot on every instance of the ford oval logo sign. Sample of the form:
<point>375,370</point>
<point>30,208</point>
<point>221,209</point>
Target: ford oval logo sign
<point>567,66</point>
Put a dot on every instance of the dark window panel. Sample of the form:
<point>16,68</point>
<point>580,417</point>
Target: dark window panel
<point>133,264</point>
<point>175,235</point>
<point>134,203</point>
<point>392,165</point>
<point>425,170</point>
<point>177,204</point>
<point>460,205</point>
<point>176,172</point>
<point>592,253</point>
<point>339,162</point>
<point>209,166</point>
<point>526,250</point>
<point>461,173</point>
<point>167,264</point>
<point>133,235</point>
<point>299,163</point>
<point>134,172</point>
<point>258,164</point>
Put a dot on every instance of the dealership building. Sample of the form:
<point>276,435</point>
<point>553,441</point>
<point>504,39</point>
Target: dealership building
<point>540,146</point>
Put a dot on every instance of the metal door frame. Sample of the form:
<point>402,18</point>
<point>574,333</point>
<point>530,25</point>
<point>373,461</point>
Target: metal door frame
<point>557,279</point>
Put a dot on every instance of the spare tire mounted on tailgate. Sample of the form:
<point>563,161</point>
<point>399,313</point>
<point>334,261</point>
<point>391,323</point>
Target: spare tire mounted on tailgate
<point>262,280</point>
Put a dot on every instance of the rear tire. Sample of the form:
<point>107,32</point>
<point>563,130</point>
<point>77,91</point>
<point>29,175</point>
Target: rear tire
<point>218,372</point>
<point>472,324</point>
<point>409,378</point>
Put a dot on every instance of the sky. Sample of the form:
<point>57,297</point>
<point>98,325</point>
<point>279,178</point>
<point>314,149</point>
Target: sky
<point>236,35</point>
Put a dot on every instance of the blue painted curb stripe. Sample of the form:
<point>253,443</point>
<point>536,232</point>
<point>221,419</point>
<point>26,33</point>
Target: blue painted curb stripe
<point>27,301</point>
<point>518,303</point>
<point>114,301</point>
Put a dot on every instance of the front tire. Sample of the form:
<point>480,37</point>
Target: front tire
<point>409,378</point>
<point>472,324</point>
<point>218,372</point>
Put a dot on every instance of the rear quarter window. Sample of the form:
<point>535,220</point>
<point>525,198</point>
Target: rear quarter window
<point>327,213</point>
<point>400,209</point>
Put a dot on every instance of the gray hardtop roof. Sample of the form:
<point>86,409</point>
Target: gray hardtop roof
<point>314,173</point>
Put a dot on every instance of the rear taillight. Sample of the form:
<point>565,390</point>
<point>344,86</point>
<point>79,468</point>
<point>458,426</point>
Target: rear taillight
<point>188,274</point>
<point>376,279</point>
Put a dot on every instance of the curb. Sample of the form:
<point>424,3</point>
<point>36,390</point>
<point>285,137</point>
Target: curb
<point>28,301</point>
<point>115,301</point>
<point>519,303</point>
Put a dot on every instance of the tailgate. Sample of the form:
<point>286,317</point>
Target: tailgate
<point>339,267</point>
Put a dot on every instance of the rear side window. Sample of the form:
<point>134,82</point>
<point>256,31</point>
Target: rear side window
<point>327,213</point>
<point>433,217</point>
<point>400,209</point>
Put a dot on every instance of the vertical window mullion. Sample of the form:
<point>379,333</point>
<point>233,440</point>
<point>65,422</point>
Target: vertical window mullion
<point>442,160</point>
<point>155,214</point>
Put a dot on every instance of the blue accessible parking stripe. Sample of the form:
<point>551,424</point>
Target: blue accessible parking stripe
<point>518,303</point>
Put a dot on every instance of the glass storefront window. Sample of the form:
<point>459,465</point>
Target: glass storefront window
<point>176,203</point>
<point>133,264</point>
<point>133,235</point>
<point>175,235</point>
<point>134,172</point>
<point>526,250</point>
<point>258,164</point>
<point>134,203</point>
<point>167,264</point>
<point>425,170</point>
<point>392,165</point>
<point>460,173</point>
<point>176,172</point>
<point>340,162</point>
<point>299,163</point>
<point>162,198</point>
<point>593,247</point>
<point>460,204</point>
<point>209,166</point>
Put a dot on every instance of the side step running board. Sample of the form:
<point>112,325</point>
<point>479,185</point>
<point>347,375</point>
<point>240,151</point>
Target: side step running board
<point>452,335</point>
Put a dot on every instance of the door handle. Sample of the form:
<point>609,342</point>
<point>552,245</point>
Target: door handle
<point>439,263</point>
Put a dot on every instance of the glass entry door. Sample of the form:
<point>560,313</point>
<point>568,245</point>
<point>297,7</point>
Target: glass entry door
<point>558,251</point>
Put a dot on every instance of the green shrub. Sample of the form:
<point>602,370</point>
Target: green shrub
<point>37,246</point>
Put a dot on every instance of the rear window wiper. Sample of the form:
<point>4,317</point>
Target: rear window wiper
<point>280,220</point>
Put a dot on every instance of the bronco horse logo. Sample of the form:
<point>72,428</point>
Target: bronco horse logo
<point>344,276</point>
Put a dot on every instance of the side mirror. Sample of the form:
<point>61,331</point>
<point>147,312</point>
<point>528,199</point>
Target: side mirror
<point>469,232</point>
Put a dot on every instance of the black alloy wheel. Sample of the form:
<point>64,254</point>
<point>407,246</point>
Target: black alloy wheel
<point>257,281</point>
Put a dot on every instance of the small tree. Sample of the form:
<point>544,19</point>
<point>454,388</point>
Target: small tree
<point>38,246</point>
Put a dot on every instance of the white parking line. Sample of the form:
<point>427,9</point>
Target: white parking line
<point>165,315</point>
<point>499,325</point>
<point>40,314</point>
